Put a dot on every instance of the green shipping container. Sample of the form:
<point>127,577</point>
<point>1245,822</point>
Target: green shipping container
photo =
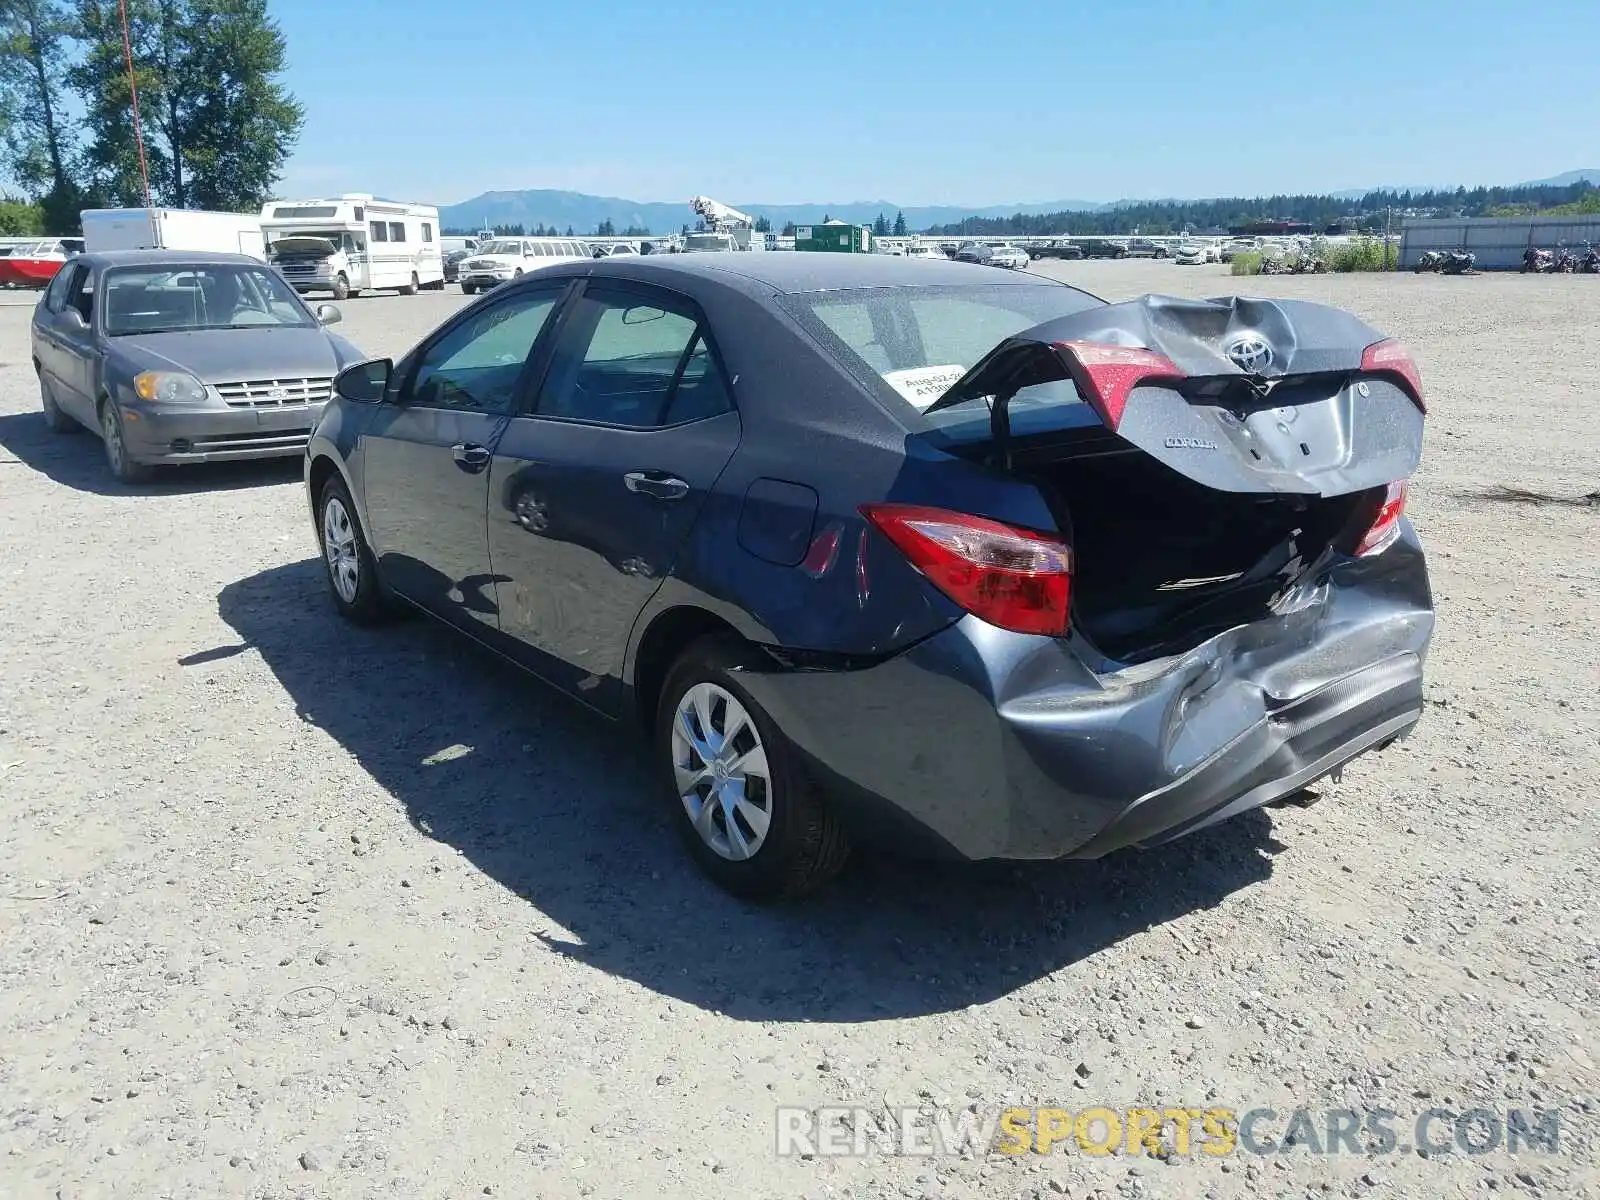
<point>836,238</point>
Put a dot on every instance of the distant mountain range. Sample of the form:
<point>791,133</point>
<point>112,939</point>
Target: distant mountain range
<point>583,212</point>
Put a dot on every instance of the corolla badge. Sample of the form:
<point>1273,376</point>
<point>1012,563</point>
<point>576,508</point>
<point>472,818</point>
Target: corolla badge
<point>1250,353</point>
<point>1189,443</point>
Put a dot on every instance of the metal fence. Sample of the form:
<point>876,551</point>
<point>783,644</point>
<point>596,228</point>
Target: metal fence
<point>1497,242</point>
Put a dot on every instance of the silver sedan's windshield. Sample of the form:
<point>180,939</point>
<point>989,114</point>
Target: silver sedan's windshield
<point>220,296</point>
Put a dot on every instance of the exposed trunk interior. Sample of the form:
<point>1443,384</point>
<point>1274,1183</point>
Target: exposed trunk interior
<point>1162,562</point>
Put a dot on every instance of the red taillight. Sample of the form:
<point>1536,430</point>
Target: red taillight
<point>1386,525</point>
<point>1391,358</point>
<point>1014,578</point>
<point>1107,374</point>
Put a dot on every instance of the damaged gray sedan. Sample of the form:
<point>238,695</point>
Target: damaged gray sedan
<point>884,554</point>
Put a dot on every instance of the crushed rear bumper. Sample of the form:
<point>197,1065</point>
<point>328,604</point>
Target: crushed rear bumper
<point>979,743</point>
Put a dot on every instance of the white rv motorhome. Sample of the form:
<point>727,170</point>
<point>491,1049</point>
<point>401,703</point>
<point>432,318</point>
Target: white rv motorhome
<point>353,244</point>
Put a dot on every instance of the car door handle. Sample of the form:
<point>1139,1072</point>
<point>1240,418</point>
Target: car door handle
<point>470,457</point>
<point>656,483</point>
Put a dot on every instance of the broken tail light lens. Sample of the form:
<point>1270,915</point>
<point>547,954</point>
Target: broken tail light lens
<point>1014,578</point>
<point>1385,526</point>
<point>1389,357</point>
<point>1106,375</point>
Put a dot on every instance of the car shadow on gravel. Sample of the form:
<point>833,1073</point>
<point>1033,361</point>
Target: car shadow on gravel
<point>77,460</point>
<point>557,806</point>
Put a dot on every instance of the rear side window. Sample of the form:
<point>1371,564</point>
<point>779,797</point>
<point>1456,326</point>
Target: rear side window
<point>914,343</point>
<point>380,232</point>
<point>427,232</point>
<point>397,231</point>
<point>635,362</point>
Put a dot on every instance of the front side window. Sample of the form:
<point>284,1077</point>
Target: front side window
<point>636,363</point>
<point>55,295</point>
<point>475,366</point>
<point>397,231</point>
<point>171,298</point>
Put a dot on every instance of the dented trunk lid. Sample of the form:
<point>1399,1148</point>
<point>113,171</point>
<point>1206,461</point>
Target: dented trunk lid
<point>1237,394</point>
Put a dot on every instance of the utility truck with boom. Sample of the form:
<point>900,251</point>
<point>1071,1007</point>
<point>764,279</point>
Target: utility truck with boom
<point>725,229</point>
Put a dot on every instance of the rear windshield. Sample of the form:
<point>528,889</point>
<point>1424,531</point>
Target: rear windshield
<point>912,343</point>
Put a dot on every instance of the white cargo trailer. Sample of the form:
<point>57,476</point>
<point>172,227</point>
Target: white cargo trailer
<point>172,229</point>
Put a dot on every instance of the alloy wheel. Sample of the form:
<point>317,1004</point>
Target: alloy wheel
<point>339,545</point>
<point>720,766</point>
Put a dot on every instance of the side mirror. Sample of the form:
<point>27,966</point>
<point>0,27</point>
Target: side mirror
<point>329,314</point>
<point>74,317</point>
<point>366,382</point>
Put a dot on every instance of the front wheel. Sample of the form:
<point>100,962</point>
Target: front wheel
<point>352,572</point>
<point>124,467</point>
<point>468,289</point>
<point>341,288</point>
<point>741,797</point>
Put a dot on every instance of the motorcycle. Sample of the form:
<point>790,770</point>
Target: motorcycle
<point>1431,260</point>
<point>1458,262</point>
<point>1564,264</point>
<point>1275,266</point>
<point>1538,261</point>
<point>1590,264</point>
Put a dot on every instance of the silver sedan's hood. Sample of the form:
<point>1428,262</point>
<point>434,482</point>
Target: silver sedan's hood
<point>226,355</point>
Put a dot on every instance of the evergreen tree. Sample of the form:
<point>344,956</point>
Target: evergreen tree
<point>39,139</point>
<point>900,224</point>
<point>763,225</point>
<point>880,226</point>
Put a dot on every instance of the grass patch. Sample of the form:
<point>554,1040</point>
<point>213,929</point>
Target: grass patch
<point>1248,263</point>
<point>1363,254</point>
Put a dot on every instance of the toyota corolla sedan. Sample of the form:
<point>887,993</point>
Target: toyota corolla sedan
<point>177,357</point>
<point>889,552</point>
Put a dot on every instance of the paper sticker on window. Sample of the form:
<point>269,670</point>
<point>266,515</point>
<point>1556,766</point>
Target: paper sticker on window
<point>923,385</point>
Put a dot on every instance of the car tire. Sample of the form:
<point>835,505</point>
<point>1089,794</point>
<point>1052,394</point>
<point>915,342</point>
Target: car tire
<point>55,420</point>
<point>517,274</point>
<point>468,289</point>
<point>351,569</point>
<point>124,467</point>
<point>803,845</point>
<point>341,287</point>
<point>412,288</point>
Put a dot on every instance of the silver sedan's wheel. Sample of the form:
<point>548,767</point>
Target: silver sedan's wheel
<point>343,553</point>
<point>722,774</point>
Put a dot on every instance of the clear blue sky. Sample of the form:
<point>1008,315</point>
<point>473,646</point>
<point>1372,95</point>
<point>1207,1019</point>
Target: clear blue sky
<point>921,103</point>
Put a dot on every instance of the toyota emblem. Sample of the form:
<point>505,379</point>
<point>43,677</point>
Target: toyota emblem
<point>1250,354</point>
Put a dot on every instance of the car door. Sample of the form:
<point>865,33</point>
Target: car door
<point>67,347</point>
<point>595,490</point>
<point>426,456</point>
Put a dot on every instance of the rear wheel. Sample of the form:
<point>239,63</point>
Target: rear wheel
<point>741,798</point>
<point>123,465</point>
<point>411,288</point>
<point>54,418</point>
<point>352,572</point>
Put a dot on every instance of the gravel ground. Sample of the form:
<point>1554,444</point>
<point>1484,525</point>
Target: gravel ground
<point>293,910</point>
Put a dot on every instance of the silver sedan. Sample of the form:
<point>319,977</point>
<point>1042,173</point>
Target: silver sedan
<point>180,358</point>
